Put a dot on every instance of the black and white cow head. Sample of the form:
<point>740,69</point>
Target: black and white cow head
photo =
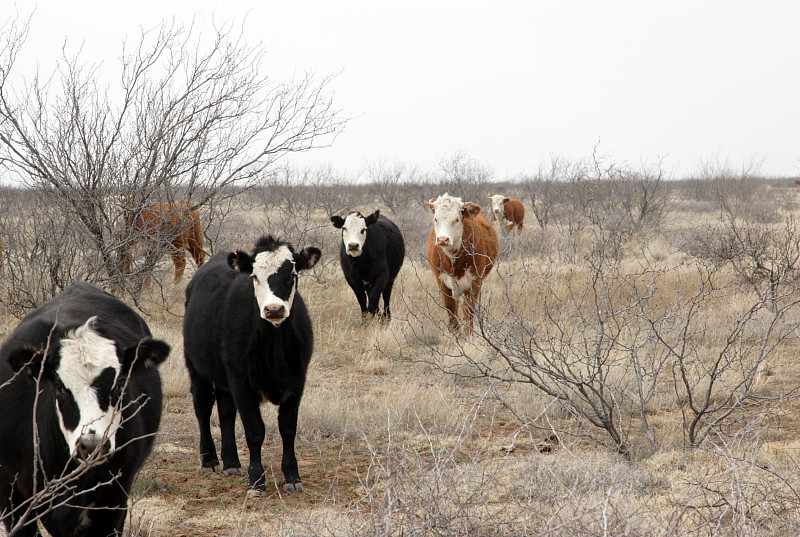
<point>448,215</point>
<point>273,267</point>
<point>83,373</point>
<point>354,230</point>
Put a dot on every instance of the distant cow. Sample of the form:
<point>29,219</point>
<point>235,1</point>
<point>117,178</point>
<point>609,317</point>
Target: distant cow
<point>507,212</point>
<point>461,250</point>
<point>247,338</point>
<point>174,224</point>
<point>81,369</point>
<point>371,254</point>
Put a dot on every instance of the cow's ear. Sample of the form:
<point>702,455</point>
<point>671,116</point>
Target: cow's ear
<point>338,221</point>
<point>28,359</point>
<point>240,261</point>
<point>430,204</point>
<point>307,258</point>
<point>371,219</point>
<point>470,210</point>
<point>506,200</point>
<point>149,353</point>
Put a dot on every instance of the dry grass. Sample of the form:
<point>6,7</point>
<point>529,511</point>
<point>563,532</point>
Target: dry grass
<point>390,445</point>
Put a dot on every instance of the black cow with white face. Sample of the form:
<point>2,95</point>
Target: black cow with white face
<point>80,403</point>
<point>371,254</point>
<point>248,339</point>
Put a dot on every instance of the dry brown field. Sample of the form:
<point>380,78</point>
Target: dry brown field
<point>408,429</point>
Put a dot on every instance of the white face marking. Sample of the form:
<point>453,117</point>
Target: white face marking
<point>354,234</point>
<point>447,224</point>
<point>498,207</point>
<point>269,303</point>
<point>84,355</point>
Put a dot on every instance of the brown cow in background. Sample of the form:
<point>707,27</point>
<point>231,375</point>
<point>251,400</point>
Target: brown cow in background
<point>507,212</point>
<point>173,223</point>
<point>462,248</point>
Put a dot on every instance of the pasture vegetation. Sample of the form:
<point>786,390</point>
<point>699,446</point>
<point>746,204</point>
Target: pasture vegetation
<point>632,370</point>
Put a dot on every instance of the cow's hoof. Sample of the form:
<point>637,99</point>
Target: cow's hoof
<point>232,471</point>
<point>210,469</point>
<point>256,494</point>
<point>293,487</point>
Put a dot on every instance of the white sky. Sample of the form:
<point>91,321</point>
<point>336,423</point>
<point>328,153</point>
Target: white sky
<point>509,83</point>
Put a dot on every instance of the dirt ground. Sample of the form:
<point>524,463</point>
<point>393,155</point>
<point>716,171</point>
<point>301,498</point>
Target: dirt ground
<point>172,497</point>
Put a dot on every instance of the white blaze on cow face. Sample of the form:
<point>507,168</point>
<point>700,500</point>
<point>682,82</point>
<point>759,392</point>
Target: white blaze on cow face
<point>447,223</point>
<point>354,234</point>
<point>498,207</point>
<point>87,371</point>
<point>275,283</point>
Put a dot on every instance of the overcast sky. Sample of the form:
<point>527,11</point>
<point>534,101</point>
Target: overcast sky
<point>509,83</point>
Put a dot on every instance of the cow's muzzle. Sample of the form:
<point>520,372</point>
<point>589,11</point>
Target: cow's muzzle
<point>442,241</point>
<point>91,446</point>
<point>274,312</point>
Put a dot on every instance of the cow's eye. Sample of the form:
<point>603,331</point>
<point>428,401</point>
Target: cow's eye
<point>255,279</point>
<point>61,390</point>
<point>115,393</point>
<point>363,231</point>
<point>344,229</point>
<point>455,221</point>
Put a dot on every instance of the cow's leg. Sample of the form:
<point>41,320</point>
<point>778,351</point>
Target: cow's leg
<point>248,405</point>
<point>450,302</point>
<point>470,300</point>
<point>387,295</point>
<point>203,399</point>
<point>375,291</point>
<point>109,518</point>
<point>227,424</point>
<point>287,425</point>
<point>178,258</point>
<point>361,295</point>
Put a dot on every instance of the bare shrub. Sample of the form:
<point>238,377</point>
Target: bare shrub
<point>191,119</point>
<point>392,181</point>
<point>464,176</point>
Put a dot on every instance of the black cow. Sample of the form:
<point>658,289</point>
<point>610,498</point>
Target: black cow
<point>371,254</point>
<point>82,369</point>
<point>247,338</point>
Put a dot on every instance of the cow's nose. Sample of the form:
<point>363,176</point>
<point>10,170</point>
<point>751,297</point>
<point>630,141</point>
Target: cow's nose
<point>90,439</point>
<point>352,246</point>
<point>272,311</point>
<point>443,241</point>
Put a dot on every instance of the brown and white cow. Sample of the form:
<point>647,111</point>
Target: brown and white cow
<point>170,223</point>
<point>462,248</point>
<point>507,212</point>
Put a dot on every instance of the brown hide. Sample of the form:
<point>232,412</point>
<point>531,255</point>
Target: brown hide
<point>514,214</point>
<point>478,253</point>
<point>173,223</point>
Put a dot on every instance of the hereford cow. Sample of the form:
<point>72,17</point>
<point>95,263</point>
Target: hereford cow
<point>80,402</point>
<point>247,339</point>
<point>508,213</point>
<point>371,254</point>
<point>173,224</point>
<point>462,248</point>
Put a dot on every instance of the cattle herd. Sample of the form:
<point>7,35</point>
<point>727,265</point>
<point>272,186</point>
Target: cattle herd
<point>80,392</point>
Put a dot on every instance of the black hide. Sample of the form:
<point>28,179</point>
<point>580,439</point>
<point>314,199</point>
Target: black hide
<point>141,414</point>
<point>238,359</point>
<point>372,274</point>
